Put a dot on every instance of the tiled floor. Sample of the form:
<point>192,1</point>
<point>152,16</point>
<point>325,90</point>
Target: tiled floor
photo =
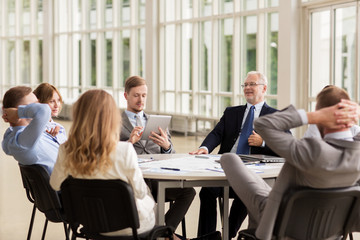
<point>15,209</point>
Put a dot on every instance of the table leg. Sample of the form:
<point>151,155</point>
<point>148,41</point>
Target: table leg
<point>226,213</point>
<point>161,204</point>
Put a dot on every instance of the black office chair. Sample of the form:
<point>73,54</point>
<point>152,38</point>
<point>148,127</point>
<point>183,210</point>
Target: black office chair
<point>38,190</point>
<point>97,206</point>
<point>309,214</point>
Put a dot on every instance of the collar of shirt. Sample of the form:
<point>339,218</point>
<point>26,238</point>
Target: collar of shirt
<point>258,108</point>
<point>131,116</point>
<point>345,135</point>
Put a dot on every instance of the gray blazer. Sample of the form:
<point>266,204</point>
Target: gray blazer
<point>141,147</point>
<point>311,162</point>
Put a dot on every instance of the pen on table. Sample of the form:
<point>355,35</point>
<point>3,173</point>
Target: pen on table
<point>201,156</point>
<point>172,169</point>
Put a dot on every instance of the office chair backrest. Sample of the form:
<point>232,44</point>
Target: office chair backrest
<point>317,213</point>
<point>36,182</point>
<point>99,205</point>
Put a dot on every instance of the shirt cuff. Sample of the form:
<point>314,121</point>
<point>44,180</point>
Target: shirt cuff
<point>168,150</point>
<point>203,147</point>
<point>303,116</point>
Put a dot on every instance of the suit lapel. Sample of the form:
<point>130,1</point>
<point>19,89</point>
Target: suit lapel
<point>240,118</point>
<point>264,110</point>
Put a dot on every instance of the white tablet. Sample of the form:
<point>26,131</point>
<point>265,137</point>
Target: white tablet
<point>153,124</point>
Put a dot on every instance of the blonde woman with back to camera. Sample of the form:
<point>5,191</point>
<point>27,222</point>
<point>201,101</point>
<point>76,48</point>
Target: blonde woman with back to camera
<point>93,151</point>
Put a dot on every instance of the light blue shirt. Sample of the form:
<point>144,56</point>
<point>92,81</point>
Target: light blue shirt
<point>61,136</point>
<point>31,144</point>
<point>132,117</point>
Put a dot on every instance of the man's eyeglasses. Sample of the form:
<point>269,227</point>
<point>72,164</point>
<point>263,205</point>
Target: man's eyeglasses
<point>252,84</point>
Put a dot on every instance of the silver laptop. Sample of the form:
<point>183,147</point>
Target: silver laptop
<point>261,158</point>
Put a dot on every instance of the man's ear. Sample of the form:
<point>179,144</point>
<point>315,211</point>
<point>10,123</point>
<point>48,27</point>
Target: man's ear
<point>125,95</point>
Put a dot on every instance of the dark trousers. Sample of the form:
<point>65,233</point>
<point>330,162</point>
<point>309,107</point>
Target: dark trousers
<point>181,198</point>
<point>208,212</point>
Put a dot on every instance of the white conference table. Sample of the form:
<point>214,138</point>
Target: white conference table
<point>184,170</point>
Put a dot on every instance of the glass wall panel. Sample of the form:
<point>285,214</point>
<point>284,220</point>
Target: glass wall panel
<point>206,8</point>
<point>109,13</point>
<point>141,53</point>
<point>142,12</point>
<point>170,57</point>
<point>186,56</point>
<point>40,62</point>
<point>25,67</point>
<point>205,105</point>
<point>109,62</point>
<point>205,56</point>
<point>272,52</point>
<point>62,59</point>
<point>187,9</point>
<point>320,51</point>
<point>126,54</point>
<point>11,18</point>
<point>227,6</point>
<point>345,49</point>
<point>186,103</point>
<point>92,14</point>
<point>226,50</point>
<point>126,12</point>
<point>170,102</point>
<point>224,103</point>
<point>170,10</point>
<point>40,16</point>
<point>250,4</point>
<point>62,24</point>
<point>77,14</point>
<point>11,62</point>
<point>76,61</point>
<point>273,3</point>
<point>26,17</point>
<point>93,66</point>
<point>249,43</point>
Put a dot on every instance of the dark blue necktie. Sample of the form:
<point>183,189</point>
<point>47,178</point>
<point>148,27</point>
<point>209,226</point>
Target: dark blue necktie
<point>246,131</point>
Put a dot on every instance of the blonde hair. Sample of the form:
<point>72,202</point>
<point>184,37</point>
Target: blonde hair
<point>94,133</point>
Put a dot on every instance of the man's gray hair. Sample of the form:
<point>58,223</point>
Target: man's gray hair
<point>262,78</point>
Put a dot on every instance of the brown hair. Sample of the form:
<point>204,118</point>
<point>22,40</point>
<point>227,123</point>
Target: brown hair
<point>133,81</point>
<point>45,91</point>
<point>329,96</point>
<point>14,95</point>
<point>94,133</point>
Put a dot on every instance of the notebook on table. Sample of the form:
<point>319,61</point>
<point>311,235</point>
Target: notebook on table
<point>261,158</point>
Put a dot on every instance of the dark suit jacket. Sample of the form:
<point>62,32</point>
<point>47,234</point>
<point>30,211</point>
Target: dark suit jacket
<point>149,147</point>
<point>228,129</point>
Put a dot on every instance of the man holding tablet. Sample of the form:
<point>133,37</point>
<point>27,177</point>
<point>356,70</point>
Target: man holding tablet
<point>134,120</point>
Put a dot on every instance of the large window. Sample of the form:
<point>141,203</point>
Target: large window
<point>98,44</point>
<point>219,43</point>
<point>21,43</point>
<point>333,51</point>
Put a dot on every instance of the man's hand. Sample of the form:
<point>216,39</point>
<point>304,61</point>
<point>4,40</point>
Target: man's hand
<point>199,151</point>
<point>10,115</point>
<point>161,140</point>
<point>255,139</point>
<point>342,115</point>
<point>54,131</point>
<point>135,134</point>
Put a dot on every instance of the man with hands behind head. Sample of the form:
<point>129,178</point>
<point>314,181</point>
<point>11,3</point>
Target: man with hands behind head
<point>328,162</point>
<point>26,139</point>
<point>133,122</point>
